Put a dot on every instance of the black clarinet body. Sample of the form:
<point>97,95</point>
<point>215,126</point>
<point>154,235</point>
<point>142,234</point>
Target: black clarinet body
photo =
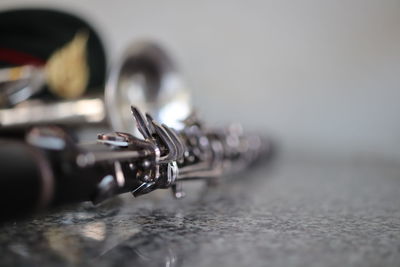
<point>49,169</point>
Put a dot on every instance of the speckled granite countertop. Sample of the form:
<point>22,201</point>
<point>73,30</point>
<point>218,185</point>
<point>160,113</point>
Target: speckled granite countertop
<point>293,213</point>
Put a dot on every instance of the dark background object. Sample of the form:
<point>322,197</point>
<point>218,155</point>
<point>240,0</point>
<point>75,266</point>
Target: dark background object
<point>21,179</point>
<point>30,36</point>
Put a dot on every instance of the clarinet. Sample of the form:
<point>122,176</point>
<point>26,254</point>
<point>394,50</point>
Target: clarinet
<point>57,171</point>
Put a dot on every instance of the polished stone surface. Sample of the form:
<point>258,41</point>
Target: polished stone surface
<point>295,212</point>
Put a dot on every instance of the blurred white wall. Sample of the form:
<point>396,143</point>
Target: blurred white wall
<point>318,75</point>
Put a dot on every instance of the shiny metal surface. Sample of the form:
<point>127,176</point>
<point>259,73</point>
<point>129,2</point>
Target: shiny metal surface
<point>146,77</point>
<point>74,112</point>
<point>194,152</point>
<point>18,84</point>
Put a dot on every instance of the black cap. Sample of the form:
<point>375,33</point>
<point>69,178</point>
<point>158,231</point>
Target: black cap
<point>30,36</point>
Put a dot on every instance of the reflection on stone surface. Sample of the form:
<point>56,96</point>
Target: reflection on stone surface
<point>95,230</point>
<point>63,244</point>
<point>306,214</point>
